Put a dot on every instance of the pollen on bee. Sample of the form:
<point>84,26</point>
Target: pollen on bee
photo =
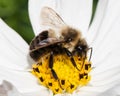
<point>69,78</point>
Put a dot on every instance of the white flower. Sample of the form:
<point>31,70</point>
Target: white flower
<point>103,36</point>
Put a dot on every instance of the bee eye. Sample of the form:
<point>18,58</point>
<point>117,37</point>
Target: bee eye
<point>70,39</point>
<point>80,48</point>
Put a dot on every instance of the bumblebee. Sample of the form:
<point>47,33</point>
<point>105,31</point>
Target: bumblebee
<point>59,39</point>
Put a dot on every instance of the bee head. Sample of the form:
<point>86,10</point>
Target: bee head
<point>81,47</point>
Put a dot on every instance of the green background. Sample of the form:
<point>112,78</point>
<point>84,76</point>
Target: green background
<point>15,14</point>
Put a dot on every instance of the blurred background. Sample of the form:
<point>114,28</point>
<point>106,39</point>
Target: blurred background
<point>15,14</point>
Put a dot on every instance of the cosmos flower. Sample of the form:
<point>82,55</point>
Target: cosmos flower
<point>102,35</point>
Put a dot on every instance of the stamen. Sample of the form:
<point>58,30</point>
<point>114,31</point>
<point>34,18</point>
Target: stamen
<point>69,78</point>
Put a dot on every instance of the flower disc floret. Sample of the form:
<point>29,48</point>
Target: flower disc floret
<point>69,77</point>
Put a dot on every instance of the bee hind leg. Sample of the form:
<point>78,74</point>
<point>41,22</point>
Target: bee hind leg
<point>51,66</point>
<point>71,58</point>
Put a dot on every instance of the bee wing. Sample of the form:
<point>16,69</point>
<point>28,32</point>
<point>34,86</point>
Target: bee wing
<point>46,43</point>
<point>51,19</point>
<point>42,40</point>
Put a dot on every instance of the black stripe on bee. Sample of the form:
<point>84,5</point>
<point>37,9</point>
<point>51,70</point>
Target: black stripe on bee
<point>35,55</point>
<point>35,42</point>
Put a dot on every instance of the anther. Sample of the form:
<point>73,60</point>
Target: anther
<point>50,84</point>
<point>41,79</point>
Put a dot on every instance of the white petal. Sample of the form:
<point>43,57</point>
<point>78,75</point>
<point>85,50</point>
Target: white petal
<point>115,91</point>
<point>25,82</point>
<point>76,13</point>
<point>103,36</point>
<point>13,49</point>
<point>34,8</point>
<point>42,92</point>
<point>65,94</point>
<point>98,18</point>
<point>104,23</point>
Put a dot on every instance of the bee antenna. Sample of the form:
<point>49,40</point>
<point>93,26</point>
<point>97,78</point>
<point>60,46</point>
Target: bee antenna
<point>91,50</point>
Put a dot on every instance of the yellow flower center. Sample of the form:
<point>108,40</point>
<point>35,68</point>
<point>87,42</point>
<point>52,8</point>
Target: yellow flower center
<point>69,77</point>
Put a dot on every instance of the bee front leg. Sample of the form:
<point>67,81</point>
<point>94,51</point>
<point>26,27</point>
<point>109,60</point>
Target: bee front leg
<point>91,50</point>
<point>83,60</point>
<point>82,54</point>
<point>51,66</point>
<point>85,55</point>
<point>71,58</point>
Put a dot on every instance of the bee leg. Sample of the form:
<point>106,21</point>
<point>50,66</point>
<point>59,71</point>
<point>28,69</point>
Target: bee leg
<point>83,60</point>
<point>51,66</point>
<point>86,56</point>
<point>91,50</point>
<point>71,58</point>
